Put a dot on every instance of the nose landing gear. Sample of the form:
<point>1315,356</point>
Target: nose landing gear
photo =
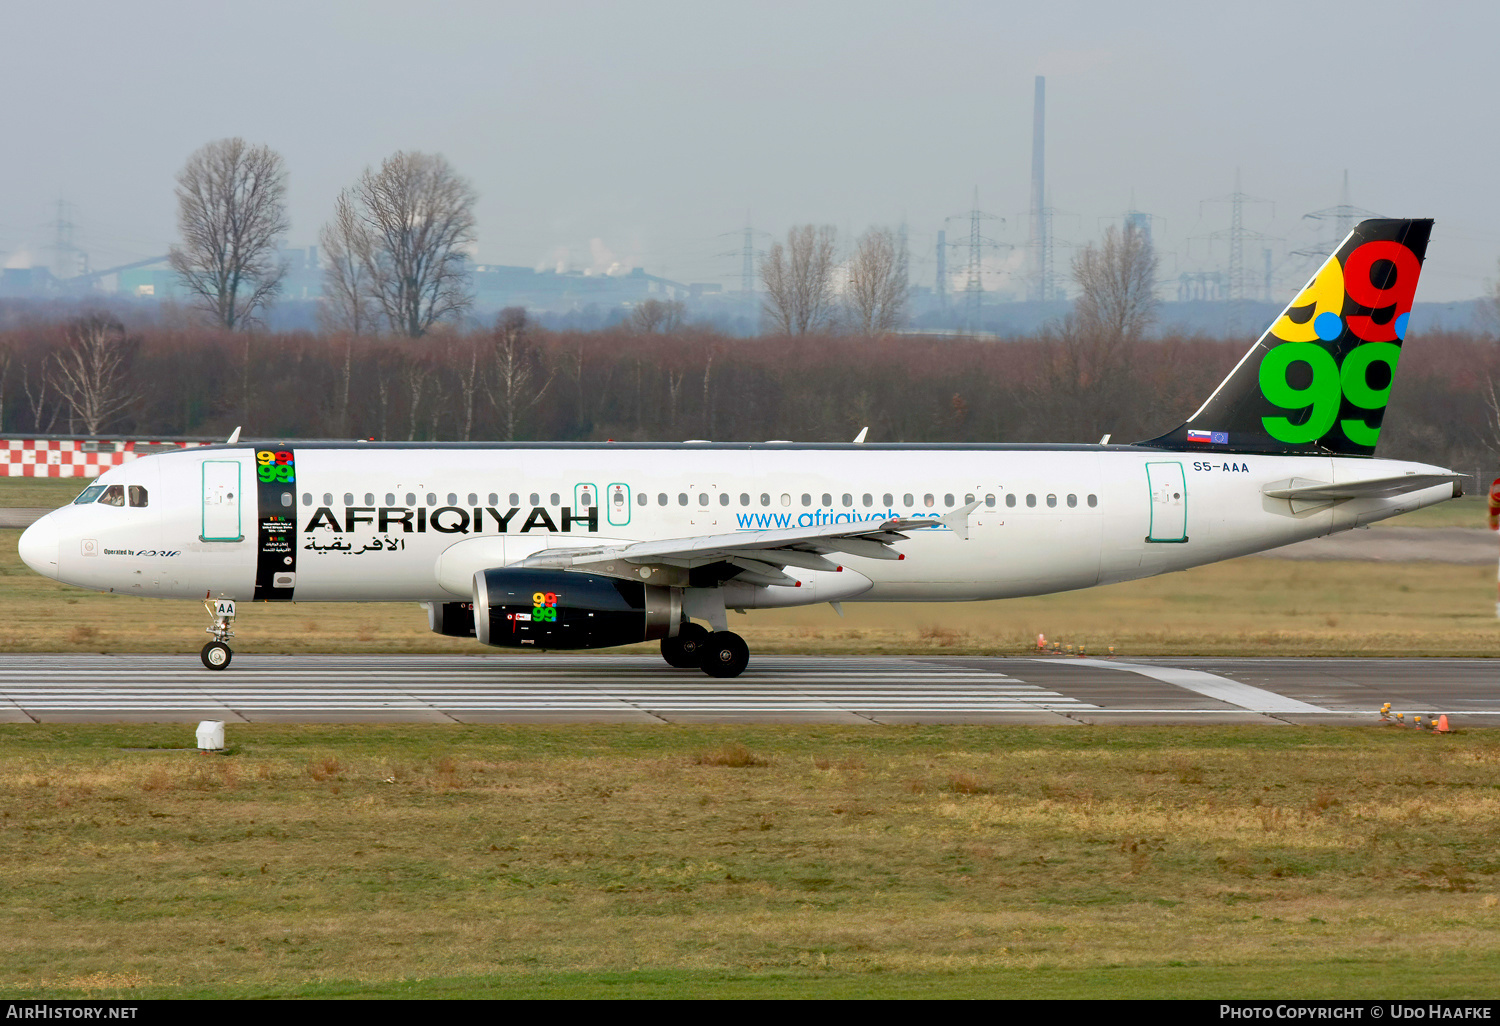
<point>217,653</point>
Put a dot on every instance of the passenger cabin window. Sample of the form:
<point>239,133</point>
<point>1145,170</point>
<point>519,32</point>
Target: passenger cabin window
<point>1093,501</point>
<point>1010,500</point>
<point>744,498</point>
<point>703,499</point>
<point>868,500</point>
<point>806,499</point>
<point>411,498</point>
<point>723,498</point>
<point>515,500</point>
<point>887,499</point>
<point>369,498</point>
<point>432,499</point>
<point>138,497</point>
<point>968,500</point>
<point>827,499</point>
<point>661,499</point>
<point>642,499</point>
<point>390,498</point>
<point>989,501</point>
<point>307,498</point>
<point>682,499</point>
<point>786,499</point>
<point>453,499</point>
<point>286,498</point>
<point>1031,500</point>
<point>556,501</point>
<point>928,500</point>
<point>328,499</point>
<point>536,500</point>
<point>948,500</point>
<point>848,499</point>
<point>765,498</point>
<point>114,495</point>
<point>1051,501</point>
<point>494,499</point>
<point>1072,501</point>
<point>348,498</point>
<point>89,494</point>
<point>908,500</point>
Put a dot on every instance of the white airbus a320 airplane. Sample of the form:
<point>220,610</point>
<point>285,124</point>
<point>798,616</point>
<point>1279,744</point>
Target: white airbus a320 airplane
<point>570,546</point>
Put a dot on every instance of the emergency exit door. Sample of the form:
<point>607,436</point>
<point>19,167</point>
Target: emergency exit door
<point>1168,502</point>
<point>221,502</point>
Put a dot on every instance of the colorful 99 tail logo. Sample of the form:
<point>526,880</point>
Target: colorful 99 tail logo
<point>1335,350</point>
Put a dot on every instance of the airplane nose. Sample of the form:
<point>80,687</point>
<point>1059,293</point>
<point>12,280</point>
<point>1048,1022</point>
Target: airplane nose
<point>38,546</point>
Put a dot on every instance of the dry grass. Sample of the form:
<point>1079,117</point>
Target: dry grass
<point>732,754</point>
<point>412,852</point>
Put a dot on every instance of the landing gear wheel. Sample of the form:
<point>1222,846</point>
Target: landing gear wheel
<point>724,654</point>
<point>686,650</point>
<point>216,655</point>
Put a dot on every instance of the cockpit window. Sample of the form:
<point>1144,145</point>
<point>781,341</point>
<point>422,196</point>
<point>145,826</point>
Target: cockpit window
<point>114,495</point>
<point>90,494</point>
<point>138,496</point>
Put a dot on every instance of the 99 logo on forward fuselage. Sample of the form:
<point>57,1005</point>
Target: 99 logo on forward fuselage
<point>1321,318</point>
<point>275,467</point>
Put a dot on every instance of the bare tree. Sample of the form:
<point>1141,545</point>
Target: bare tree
<point>799,281</point>
<point>90,373</point>
<point>7,357</point>
<point>415,222</point>
<point>348,302</point>
<point>877,292</point>
<point>231,213</point>
<point>655,315</point>
<point>517,367</point>
<point>1118,285</point>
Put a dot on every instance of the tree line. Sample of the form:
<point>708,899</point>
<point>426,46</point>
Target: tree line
<point>513,381</point>
<point>394,253</point>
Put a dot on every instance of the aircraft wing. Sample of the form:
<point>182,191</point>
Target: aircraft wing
<point>760,556</point>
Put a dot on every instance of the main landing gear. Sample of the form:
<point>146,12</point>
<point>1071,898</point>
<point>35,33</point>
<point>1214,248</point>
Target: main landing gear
<point>716,653</point>
<point>217,653</point>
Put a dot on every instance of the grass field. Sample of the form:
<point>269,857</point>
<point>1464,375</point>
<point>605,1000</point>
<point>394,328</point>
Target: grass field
<point>764,861</point>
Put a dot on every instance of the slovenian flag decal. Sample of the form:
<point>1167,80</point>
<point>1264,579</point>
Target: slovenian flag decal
<point>1208,437</point>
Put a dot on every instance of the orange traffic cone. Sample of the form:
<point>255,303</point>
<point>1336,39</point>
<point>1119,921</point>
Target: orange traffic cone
<point>1442,726</point>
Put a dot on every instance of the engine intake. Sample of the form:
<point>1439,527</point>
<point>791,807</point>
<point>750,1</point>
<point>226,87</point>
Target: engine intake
<point>558,609</point>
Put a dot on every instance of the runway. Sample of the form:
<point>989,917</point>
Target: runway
<point>775,689</point>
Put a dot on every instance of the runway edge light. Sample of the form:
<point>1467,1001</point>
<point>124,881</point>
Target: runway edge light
<point>211,736</point>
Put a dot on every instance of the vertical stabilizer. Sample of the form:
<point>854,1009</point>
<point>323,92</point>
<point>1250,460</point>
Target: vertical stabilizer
<point>1319,378</point>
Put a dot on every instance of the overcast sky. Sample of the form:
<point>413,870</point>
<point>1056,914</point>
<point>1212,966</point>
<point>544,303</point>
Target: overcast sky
<point>646,134</point>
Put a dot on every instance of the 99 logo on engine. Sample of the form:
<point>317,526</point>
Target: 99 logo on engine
<point>544,606</point>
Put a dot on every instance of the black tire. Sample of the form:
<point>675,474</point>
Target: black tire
<point>725,654</point>
<point>216,655</point>
<point>686,650</point>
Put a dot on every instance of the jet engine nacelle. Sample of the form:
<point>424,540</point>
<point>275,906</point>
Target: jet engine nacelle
<point>516,607</point>
<point>453,619</point>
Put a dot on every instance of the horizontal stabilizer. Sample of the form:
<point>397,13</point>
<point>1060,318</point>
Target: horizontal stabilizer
<point>1371,488</point>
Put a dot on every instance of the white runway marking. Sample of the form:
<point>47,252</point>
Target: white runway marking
<point>1213,686</point>
<point>145,685</point>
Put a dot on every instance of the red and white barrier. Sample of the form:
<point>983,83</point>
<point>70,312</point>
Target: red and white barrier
<point>78,457</point>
